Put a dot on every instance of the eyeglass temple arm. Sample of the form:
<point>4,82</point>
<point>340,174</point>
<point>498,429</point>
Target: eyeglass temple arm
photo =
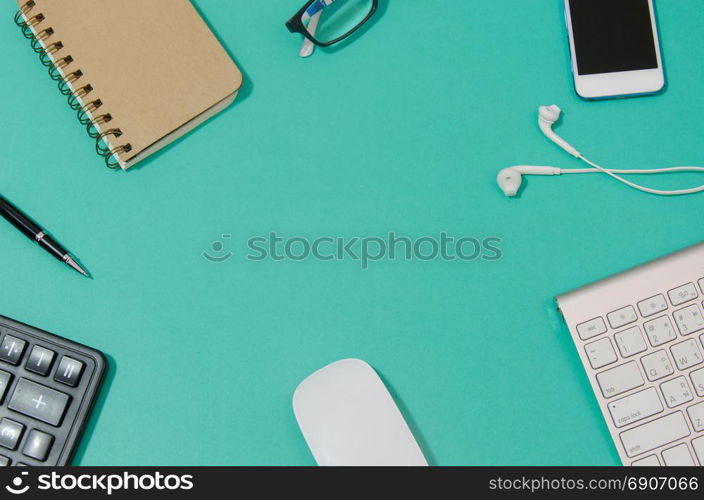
<point>308,47</point>
<point>315,8</point>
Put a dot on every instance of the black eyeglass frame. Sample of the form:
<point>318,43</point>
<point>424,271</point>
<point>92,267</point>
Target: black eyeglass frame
<point>295,25</point>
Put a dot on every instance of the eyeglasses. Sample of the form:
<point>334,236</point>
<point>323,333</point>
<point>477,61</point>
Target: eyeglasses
<point>326,22</point>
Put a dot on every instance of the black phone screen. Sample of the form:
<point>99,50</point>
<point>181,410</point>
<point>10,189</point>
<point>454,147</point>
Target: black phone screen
<point>613,35</point>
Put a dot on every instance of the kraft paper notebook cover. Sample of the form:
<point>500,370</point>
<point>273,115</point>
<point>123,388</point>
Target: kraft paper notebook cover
<point>139,73</point>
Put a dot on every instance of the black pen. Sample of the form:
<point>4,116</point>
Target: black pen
<point>35,233</point>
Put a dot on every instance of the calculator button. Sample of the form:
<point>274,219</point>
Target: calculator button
<point>38,401</point>
<point>689,319</point>
<point>630,342</point>
<point>37,445</point>
<point>600,353</point>
<point>660,331</point>
<point>622,317</point>
<point>10,433</point>
<point>591,328</point>
<point>40,360</point>
<point>686,354</point>
<point>653,305</point>
<point>5,379</point>
<point>4,461</point>
<point>657,365</point>
<point>11,349</point>
<point>69,371</point>
<point>682,294</point>
<point>676,392</point>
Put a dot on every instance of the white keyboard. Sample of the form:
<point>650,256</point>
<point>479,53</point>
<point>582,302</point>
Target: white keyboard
<point>640,335</point>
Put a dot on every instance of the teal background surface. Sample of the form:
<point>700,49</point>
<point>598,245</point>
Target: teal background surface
<point>404,129</point>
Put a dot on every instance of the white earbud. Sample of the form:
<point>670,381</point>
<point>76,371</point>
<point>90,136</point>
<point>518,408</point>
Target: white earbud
<point>510,179</point>
<point>547,116</point>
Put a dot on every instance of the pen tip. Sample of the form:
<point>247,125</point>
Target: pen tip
<point>77,267</point>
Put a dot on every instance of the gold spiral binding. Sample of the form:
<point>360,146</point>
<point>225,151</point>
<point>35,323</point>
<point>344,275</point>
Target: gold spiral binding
<point>101,149</point>
<point>58,67</point>
<point>98,120</point>
<point>59,64</point>
<point>74,98</point>
<point>36,42</point>
<point>44,56</point>
<point>65,83</point>
<point>85,111</point>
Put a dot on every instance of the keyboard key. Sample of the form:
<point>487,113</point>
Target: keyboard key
<point>601,353</point>
<point>676,391</point>
<point>698,381</point>
<point>657,365</point>
<point>660,331</point>
<point>682,294</point>
<point>622,317</point>
<point>620,379</point>
<point>5,379</point>
<point>678,456</point>
<point>635,407</point>
<point>591,328</point>
<point>651,461</point>
<point>69,371</point>
<point>38,401</point>
<point>40,360</point>
<point>4,461</point>
<point>10,433</point>
<point>653,305</point>
<point>630,342</point>
<point>11,349</point>
<point>696,415</point>
<point>37,445</point>
<point>701,285</point>
<point>698,445</point>
<point>686,354</point>
<point>689,319</point>
<point>654,434</point>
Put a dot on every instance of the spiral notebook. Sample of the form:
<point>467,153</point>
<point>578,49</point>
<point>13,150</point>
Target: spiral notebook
<point>139,73</point>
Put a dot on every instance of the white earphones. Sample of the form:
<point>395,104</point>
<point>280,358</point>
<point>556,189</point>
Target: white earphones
<point>510,179</point>
<point>547,116</point>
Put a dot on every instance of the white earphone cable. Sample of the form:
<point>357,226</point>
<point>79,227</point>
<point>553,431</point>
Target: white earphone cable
<point>613,173</point>
<point>510,179</point>
<point>632,171</point>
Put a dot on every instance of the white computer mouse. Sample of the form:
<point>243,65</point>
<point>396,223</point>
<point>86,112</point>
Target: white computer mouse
<point>348,417</point>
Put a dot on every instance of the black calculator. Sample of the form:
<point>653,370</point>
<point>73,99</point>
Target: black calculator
<point>48,386</point>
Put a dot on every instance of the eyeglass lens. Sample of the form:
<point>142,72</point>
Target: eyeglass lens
<point>328,20</point>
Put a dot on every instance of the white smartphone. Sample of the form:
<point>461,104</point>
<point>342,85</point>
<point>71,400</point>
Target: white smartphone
<point>615,48</point>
